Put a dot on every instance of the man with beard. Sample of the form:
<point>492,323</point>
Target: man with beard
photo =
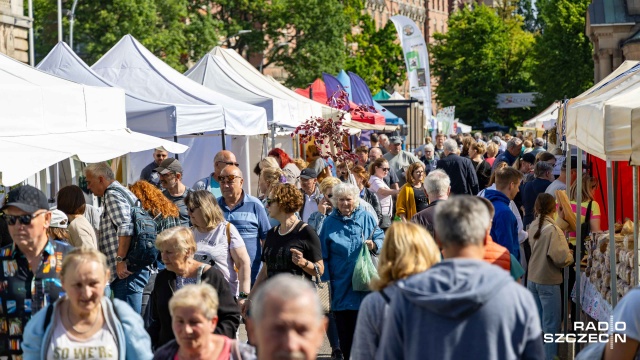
<point>148,173</point>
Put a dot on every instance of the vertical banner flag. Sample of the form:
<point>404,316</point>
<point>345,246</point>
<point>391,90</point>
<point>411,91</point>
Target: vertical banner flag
<point>416,59</point>
<point>446,120</point>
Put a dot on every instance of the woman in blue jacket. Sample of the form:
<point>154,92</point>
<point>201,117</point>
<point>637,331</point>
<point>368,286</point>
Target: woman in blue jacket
<point>85,323</point>
<point>347,228</point>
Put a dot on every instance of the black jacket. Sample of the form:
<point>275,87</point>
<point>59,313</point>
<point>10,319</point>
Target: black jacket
<point>462,174</point>
<point>160,328</point>
<point>371,197</point>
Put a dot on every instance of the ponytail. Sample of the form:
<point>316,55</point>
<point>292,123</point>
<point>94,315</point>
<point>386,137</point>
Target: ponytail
<point>540,222</point>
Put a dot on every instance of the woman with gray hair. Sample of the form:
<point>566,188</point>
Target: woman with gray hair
<point>344,232</point>
<point>194,313</point>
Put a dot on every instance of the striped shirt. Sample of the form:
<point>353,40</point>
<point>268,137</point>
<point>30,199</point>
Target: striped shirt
<point>251,220</point>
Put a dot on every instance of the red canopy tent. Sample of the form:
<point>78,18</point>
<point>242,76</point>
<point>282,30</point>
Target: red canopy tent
<point>624,185</point>
<point>319,94</point>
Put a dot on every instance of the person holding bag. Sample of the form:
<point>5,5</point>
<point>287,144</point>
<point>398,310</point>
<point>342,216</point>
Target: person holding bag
<point>341,237</point>
<point>549,255</point>
<point>378,170</point>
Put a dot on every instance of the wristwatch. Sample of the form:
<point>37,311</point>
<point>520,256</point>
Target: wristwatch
<point>119,259</point>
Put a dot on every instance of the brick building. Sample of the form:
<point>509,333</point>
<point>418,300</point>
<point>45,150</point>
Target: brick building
<point>14,29</point>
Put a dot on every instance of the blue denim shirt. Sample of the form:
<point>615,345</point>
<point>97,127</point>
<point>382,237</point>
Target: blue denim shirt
<point>342,238</point>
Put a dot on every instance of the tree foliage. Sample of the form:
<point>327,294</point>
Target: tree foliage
<point>178,31</point>
<point>481,56</point>
<point>377,57</point>
<point>564,66</point>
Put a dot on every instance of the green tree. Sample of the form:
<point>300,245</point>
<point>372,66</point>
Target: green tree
<point>377,58</point>
<point>480,56</point>
<point>178,31</point>
<point>564,66</point>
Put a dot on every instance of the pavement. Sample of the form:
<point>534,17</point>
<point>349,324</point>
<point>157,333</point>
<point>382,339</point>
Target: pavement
<point>324,353</point>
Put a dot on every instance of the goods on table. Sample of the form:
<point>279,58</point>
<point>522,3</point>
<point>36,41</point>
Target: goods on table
<point>598,261</point>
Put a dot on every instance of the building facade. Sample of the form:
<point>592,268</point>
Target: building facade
<point>14,30</point>
<point>613,26</point>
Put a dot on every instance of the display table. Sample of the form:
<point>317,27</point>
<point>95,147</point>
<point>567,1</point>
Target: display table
<point>592,302</point>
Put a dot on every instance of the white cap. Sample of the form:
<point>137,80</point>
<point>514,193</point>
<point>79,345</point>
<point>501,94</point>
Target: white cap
<point>58,219</point>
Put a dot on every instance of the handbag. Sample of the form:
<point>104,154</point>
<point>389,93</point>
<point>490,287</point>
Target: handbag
<point>364,271</point>
<point>387,219</point>
<point>323,289</point>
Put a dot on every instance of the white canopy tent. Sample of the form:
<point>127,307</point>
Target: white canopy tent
<point>215,74</point>
<point>131,66</point>
<point>134,68</point>
<point>541,121</point>
<point>46,119</point>
<point>146,116</point>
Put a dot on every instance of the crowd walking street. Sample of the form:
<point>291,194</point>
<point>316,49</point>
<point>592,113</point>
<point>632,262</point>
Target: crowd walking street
<point>432,255</point>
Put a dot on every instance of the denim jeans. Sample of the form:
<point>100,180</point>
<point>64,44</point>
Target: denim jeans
<point>549,304</point>
<point>130,288</point>
<point>332,332</point>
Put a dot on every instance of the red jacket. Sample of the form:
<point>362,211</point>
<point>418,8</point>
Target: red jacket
<point>497,254</point>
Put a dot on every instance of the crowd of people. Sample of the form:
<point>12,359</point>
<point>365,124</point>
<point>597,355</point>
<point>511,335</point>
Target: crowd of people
<point>464,234</point>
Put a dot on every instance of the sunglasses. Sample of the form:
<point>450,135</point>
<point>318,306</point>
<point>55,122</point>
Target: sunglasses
<point>228,163</point>
<point>24,219</point>
<point>228,179</point>
<point>193,209</point>
<point>385,169</point>
<point>329,196</point>
<point>271,201</point>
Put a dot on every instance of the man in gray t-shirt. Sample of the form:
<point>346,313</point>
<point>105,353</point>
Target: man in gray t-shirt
<point>399,160</point>
<point>170,171</point>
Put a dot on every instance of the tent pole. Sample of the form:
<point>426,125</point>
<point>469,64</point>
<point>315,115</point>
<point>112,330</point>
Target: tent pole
<point>612,233</point>
<point>273,136</point>
<point>635,224</point>
<point>224,140</point>
<point>59,20</point>
<point>579,234</point>
<point>32,61</point>
<point>565,284</point>
<point>175,140</point>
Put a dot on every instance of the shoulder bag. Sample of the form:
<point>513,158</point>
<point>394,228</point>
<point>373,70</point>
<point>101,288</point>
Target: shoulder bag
<point>323,289</point>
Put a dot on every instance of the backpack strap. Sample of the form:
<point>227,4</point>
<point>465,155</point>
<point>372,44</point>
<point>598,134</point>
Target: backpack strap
<point>47,317</point>
<point>385,296</point>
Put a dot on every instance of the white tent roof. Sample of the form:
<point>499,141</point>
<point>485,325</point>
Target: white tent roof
<point>143,115</point>
<point>271,86</point>
<point>131,66</point>
<point>46,119</point>
<point>600,122</point>
<point>214,73</point>
<point>547,114</point>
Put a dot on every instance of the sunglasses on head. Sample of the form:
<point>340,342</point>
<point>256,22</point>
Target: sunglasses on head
<point>24,219</point>
<point>229,163</point>
<point>228,179</point>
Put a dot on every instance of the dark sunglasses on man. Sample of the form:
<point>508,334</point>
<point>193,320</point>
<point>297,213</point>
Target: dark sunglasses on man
<point>24,219</point>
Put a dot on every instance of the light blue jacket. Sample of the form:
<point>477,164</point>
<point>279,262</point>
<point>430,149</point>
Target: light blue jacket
<point>131,338</point>
<point>342,238</point>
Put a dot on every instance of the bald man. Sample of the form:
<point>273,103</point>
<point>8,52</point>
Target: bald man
<point>222,159</point>
<point>245,212</point>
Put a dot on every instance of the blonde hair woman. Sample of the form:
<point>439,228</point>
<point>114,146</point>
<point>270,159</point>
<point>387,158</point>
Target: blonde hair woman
<point>84,317</point>
<point>194,313</point>
<point>407,249</point>
<point>218,241</point>
<point>177,247</point>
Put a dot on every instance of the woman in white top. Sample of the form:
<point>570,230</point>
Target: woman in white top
<point>378,170</point>
<point>71,202</point>
<point>218,242</point>
<point>85,323</point>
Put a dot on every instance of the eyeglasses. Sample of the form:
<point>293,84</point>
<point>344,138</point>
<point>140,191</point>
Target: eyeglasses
<point>418,172</point>
<point>385,169</point>
<point>193,209</point>
<point>228,179</point>
<point>271,201</point>
<point>24,219</point>
<point>228,163</point>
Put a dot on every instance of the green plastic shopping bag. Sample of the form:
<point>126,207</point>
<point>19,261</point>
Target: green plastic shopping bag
<point>364,272</point>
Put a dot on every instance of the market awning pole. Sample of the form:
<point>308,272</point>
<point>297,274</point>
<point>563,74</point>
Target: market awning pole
<point>224,140</point>
<point>59,20</point>
<point>611,197</point>
<point>32,61</point>
<point>579,235</point>
<point>565,282</point>
<point>175,140</point>
<point>635,225</point>
<point>273,136</point>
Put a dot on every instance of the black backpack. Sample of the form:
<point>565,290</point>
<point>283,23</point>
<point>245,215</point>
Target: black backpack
<point>142,251</point>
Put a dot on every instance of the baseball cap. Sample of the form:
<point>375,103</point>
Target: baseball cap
<point>169,165</point>
<point>529,157</point>
<point>27,198</point>
<point>58,219</point>
<point>308,173</point>
<point>395,140</point>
